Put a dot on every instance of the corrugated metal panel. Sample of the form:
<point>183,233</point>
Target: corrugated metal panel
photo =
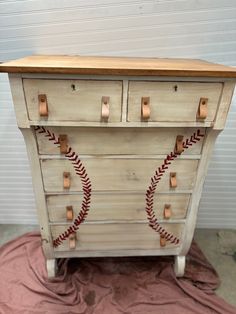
<point>203,29</point>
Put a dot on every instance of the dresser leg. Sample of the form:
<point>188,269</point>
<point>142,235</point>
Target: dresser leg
<point>51,267</point>
<point>179,266</point>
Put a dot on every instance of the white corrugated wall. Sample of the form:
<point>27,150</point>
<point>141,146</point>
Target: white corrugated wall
<point>203,29</point>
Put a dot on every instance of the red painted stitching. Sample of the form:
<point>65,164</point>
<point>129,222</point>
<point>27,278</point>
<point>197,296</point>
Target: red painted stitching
<point>86,186</point>
<point>153,223</point>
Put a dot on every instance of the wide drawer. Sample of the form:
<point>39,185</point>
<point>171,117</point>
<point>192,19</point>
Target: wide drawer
<point>119,206</point>
<point>118,174</point>
<point>173,101</point>
<point>73,100</point>
<point>137,141</point>
<point>95,237</point>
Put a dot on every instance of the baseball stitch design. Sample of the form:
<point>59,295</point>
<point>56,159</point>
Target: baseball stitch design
<point>86,186</point>
<point>153,223</point>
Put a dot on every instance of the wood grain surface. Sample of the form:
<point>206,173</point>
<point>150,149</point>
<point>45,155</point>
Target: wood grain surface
<point>117,66</point>
<point>117,141</point>
<point>115,174</point>
<point>116,206</point>
<point>115,237</point>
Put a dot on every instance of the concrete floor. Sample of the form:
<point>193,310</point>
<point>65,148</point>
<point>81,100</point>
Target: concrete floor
<point>225,265</point>
<point>207,239</point>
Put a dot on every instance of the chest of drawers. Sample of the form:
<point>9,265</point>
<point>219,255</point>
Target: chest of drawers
<point>119,150</point>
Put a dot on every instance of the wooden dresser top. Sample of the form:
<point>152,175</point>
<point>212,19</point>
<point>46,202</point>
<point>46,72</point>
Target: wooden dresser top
<point>117,66</point>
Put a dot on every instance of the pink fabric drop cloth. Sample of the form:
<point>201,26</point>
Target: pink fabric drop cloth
<point>127,285</point>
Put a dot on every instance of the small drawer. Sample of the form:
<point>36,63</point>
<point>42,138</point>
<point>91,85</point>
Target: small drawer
<point>172,101</point>
<point>119,141</point>
<point>119,206</point>
<point>117,236</point>
<point>118,174</point>
<point>73,100</point>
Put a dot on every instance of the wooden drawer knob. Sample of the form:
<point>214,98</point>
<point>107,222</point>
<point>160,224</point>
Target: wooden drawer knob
<point>162,241</point>
<point>69,213</point>
<point>72,241</point>
<point>105,107</point>
<point>145,108</point>
<point>63,141</point>
<point>43,105</point>
<point>167,211</point>
<point>202,109</point>
<point>173,180</point>
<point>66,180</point>
<point>179,144</point>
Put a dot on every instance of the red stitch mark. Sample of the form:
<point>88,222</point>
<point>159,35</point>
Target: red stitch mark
<point>86,186</point>
<point>153,223</point>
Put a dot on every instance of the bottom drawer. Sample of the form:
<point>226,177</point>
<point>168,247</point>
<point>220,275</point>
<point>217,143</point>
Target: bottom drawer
<point>117,236</point>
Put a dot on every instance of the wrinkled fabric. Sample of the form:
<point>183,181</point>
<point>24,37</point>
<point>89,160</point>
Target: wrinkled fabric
<point>128,285</point>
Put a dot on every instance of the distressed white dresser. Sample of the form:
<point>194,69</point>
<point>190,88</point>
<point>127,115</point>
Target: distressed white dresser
<point>119,149</point>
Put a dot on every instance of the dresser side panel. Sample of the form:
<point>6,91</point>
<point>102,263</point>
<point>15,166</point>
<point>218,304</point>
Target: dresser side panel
<point>224,105</point>
<point>41,206</point>
<point>197,190</point>
<point>19,100</point>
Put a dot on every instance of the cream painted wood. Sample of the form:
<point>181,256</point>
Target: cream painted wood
<point>121,154</point>
<point>39,192</point>
<point>116,236</point>
<point>225,102</point>
<point>19,100</point>
<point>118,174</point>
<point>73,100</point>
<point>125,100</point>
<point>179,265</point>
<point>51,267</point>
<point>117,206</point>
<point>144,157</point>
<point>32,151</point>
<point>173,101</point>
<point>129,125</point>
<point>112,221</point>
<point>197,191</point>
<point>140,78</point>
<point>209,143</point>
<point>121,252</point>
<point>92,141</point>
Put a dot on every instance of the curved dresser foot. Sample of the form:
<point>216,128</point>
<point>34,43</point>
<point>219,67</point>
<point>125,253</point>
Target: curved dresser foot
<point>51,267</point>
<point>179,265</point>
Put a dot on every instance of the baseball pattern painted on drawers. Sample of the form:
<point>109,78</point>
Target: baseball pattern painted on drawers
<point>119,149</point>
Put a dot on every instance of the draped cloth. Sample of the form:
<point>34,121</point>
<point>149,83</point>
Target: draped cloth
<point>112,285</point>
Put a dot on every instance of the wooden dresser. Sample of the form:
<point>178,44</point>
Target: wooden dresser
<point>119,149</point>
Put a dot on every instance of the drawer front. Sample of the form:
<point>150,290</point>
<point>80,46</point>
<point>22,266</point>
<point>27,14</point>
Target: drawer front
<point>73,100</point>
<point>173,101</point>
<point>119,206</point>
<point>137,141</point>
<point>95,237</point>
<point>118,174</point>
